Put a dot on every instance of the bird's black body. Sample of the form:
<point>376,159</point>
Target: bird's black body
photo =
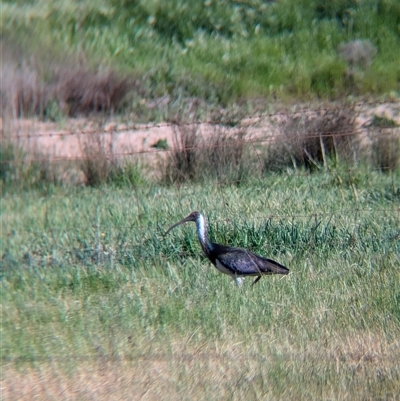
<point>236,262</point>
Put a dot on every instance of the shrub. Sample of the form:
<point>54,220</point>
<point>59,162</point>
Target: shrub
<point>385,150</point>
<point>22,92</point>
<point>357,53</point>
<point>82,92</point>
<point>219,155</point>
<point>72,91</point>
<point>309,140</point>
<point>95,163</point>
<point>19,170</point>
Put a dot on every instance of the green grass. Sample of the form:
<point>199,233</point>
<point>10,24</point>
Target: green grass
<point>222,52</point>
<point>96,302</point>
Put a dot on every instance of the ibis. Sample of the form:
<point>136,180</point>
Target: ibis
<point>235,262</point>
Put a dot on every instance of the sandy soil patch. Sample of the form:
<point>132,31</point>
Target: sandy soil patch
<point>50,140</point>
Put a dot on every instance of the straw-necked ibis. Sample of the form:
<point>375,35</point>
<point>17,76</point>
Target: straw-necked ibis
<point>236,262</point>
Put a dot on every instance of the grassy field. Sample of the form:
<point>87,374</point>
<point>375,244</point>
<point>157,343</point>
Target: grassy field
<point>162,55</point>
<point>98,304</point>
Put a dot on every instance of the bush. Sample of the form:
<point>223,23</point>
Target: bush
<point>22,91</point>
<point>19,170</point>
<point>96,163</point>
<point>100,166</point>
<point>82,92</point>
<point>385,150</point>
<point>357,53</point>
<point>219,155</point>
<point>310,140</point>
<point>26,90</point>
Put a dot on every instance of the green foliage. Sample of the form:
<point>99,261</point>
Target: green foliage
<point>91,287</point>
<point>88,276</point>
<point>18,170</point>
<point>382,122</point>
<point>161,144</point>
<point>53,112</point>
<point>127,174</point>
<point>326,79</point>
<point>9,156</point>
<point>218,51</point>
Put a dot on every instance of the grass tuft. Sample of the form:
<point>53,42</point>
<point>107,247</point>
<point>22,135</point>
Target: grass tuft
<point>385,150</point>
<point>80,91</point>
<point>96,164</point>
<point>22,91</point>
<point>183,160</point>
<point>219,154</point>
<point>21,170</point>
<point>311,140</point>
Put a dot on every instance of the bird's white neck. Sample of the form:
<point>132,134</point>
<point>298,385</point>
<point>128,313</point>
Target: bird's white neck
<point>201,226</point>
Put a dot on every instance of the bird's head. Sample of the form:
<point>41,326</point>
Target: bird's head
<point>194,216</point>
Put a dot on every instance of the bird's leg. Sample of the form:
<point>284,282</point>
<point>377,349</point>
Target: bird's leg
<point>238,281</point>
<point>256,280</point>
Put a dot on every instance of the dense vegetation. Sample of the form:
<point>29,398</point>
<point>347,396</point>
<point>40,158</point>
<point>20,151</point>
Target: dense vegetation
<point>220,52</point>
<point>91,289</point>
<point>97,303</point>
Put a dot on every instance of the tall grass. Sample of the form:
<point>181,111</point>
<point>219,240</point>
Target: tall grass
<point>220,52</point>
<point>385,146</point>
<point>220,154</point>
<point>97,302</point>
<point>314,140</point>
<point>325,139</point>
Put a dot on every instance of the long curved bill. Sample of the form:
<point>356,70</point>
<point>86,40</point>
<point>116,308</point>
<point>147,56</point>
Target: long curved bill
<point>183,221</point>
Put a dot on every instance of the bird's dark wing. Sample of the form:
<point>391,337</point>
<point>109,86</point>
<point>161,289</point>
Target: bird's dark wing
<point>239,262</point>
<point>243,262</point>
<point>269,266</point>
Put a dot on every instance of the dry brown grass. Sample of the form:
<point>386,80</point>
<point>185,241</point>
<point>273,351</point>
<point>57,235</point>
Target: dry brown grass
<point>357,53</point>
<point>100,165</point>
<point>22,91</point>
<point>30,87</point>
<point>358,366</point>
<point>80,91</point>
<point>183,159</point>
<point>385,149</point>
<point>96,164</point>
<point>218,154</point>
<point>310,140</point>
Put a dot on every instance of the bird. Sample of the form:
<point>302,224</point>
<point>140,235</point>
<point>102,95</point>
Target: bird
<point>238,263</point>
